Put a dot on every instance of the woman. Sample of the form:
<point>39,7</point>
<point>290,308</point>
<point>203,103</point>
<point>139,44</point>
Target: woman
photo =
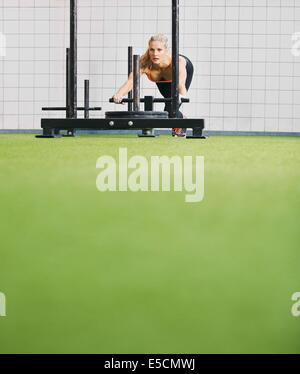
<point>156,63</point>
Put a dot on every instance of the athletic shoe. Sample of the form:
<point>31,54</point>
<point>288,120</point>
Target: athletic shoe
<point>179,132</point>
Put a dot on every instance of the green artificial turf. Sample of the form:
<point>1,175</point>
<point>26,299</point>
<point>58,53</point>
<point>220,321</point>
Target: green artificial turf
<point>91,272</point>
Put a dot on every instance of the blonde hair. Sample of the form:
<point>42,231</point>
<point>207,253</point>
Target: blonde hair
<point>145,58</point>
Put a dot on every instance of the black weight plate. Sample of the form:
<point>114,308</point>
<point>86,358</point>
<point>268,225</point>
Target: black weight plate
<point>140,115</point>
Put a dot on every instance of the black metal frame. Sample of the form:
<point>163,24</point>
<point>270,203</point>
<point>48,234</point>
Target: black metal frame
<point>67,84</point>
<point>52,126</point>
<point>136,83</point>
<point>130,70</point>
<point>175,59</point>
<point>73,59</point>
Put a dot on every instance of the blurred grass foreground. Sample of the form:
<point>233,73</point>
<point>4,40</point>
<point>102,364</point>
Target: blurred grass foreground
<point>85,271</point>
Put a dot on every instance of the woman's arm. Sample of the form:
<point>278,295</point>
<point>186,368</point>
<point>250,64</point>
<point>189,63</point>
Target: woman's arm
<point>182,77</point>
<point>124,89</point>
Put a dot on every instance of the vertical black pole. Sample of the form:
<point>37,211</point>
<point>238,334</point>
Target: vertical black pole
<point>136,83</point>
<point>175,59</point>
<point>86,99</point>
<point>68,83</point>
<point>73,58</point>
<point>130,58</point>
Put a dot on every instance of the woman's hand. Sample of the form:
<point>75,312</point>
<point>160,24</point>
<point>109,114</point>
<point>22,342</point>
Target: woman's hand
<point>118,98</point>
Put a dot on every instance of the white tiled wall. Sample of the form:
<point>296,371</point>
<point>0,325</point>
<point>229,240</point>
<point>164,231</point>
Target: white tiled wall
<point>247,74</point>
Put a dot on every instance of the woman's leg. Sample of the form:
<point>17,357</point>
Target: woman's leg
<point>166,91</point>
<point>189,78</point>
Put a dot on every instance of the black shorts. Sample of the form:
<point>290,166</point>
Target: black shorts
<point>166,88</point>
